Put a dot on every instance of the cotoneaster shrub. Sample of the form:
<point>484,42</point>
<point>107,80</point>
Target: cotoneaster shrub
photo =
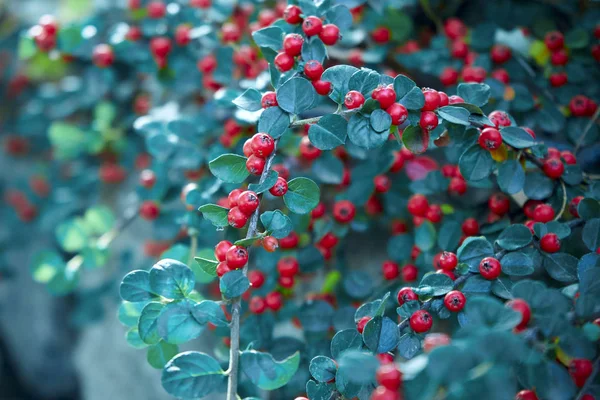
<point>266,137</point>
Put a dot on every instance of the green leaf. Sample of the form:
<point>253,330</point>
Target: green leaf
<point>425,236</point>
<point>191,375</point>
<point>514,237</point>
<point>517,137</point>
<point>267,184</point>
<point>577,38</point>
<point>322,369</point>
<point>210,311</point>
<point>415,139</point>
<point>434,284</point>
<point>176,323</point>
<point>408,94</point>
<point>449,235</point>
<point>266,372</point>
<point>274,121</point>
<point>99,219</point>
<point>270,37</point>
<point>538,186</point>
<point>380,121</point>
<point>233,284</point>
<point>381,334</point>
<point>208,266</point>
<point>338,75</point>
<point>68,141</point>
<point>159,354</point>
<point>475,163</point>
<point>277,223</point>
<point>296,95</point>
<point>133,339</point>
<point>473,250</point>
<point>136,287</point>
<point>330,132</point>
<point>591,234</point>
<point>399,247</point>
<point>250,100</point>
<point>409,308</point>
<point>349,361</point>
<point>148,322</point>
<point>511,177</point>
<point>230,168</point>
<point>171,279</point>
<point>328,169</point>
<point>455,115</point>
<point>485,311</point>
<point>302,195</point>
<point>215,214</point>
<point>345,340</point>
<point>314,49</point>
<point>46,265</point>
<point>517,264</point>
<point>409,345</point>
<point>339,15</point>
<point>561,267</point>
<point>72,235</point>
<point>477,285</point>
<point>364,81</point>
<point>362,134</point>
<point>474,93</point>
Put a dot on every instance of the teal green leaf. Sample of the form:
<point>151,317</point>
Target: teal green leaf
<point>159,354</point>
<point>296,95</point>
<point>233,284</point>
<point>266,372</point>
<point>274,121</point>
<point>475,163</point>
<point>171,279</point>
<point>329,133</point>
<point>215,214</point>
<point>302,195</point>
<point>176,323</point>
<point>148,322</point>
<point>136,287</point>
<point>191,375</point>
<point>277,223</point>
<point>230,168</point>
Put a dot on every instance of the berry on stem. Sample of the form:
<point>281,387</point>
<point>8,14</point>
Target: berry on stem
<point>312,26</point>
<point>344,211</point>
<point>550,243</point>
<point>354,99</point>
<point>421,321</point>
<point>236,257</point>
<point>406,294</point>
<point>236,218</point>
<point>523,308</point>
<point>455,300</point>
<point>490,268</point>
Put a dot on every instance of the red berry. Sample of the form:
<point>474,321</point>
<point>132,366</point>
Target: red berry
<point>221,249</point>
<point>222,269</point>
<point>383,393</point>
<point>208,64</point>
<point>330,34</point>
<point>444,99</point>
<point>420,321</point>
<point>288,267</point>
<point>329,240</point>
<point>236,257</point>
<point>490,268</point>
<point>499,118</point>
<point>312,26</point>
<point>255,165</point>
<point>147,178</point>
<point>409,273</point>
<point>274,301</point>
<point>501,75</point>
<point>156,9</point>
<point>433,340</point>
<point>292,14</point>
<point>559,57</point>
<point>262,145</point>
<point>247,148</point>
<point>318,211</point>
<point>448,261</point>
<point>322,87</point>
<point>579,105</point>
<point>233,196</point>
<point>432,99</point>
<point>553,168</point>
<point>455,300</point>
<point>500,53</point>
<point>103,56</point>
<point>389,376</point>
<point>573,206</point>
<point>434,213</point>
<point>257,305</point>
<point>499,204</point>
<point>182,35</point>
<point>390,270</point>
<point>418,205</point>
<point>292,44</point>
<point>550,243</point>
<point>521,307</point>
<point>459,49</point>
<point>470,227</point>
<point>231,32</point>
<point>270,243</point>
<point>543,213</point>
<point>558,79</point>
<point>406,294</point>
<point>381,35</point>
<point>529,130</point>
<point>344,211</point>
<point>526,395</point>
<point>568,157</point>
<point>248,202</point>
<point>457,185</point>
<point>554,40</point>
<point>382,183</point>
<point>236,218</point>
<point>398,161</point>
<point>449,76</point>
<point>360,326</point>
<point>455,99</point>
<point>580,369</point>
<point>280,188</point>
<point>307,150</point>
<point>160,47</point>
<point>398,112</point>
<point>428,120</point>
<point>473,74</point>
<point>269,99</point>
<point>290,241</point>
<point>149,210</point>
<point>284,62</point>
<point>313,70</point>
<point>386,96</point>
<point>354,99</point>
<point>455,28</point>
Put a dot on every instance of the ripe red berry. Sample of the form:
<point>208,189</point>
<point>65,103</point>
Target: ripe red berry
<point>208,64</point>
<point>248,202</point>
<point>280,188</point>
<point>269,99</point>
<point>454,28</point>
<point>257,305</point>
<point>274,301</point>
<point>262,145</point>
<point>421,321</point>
<point>558,79</point>
<point>473,74</point>
<point>457,185</point>
<point>409,273</point>
<point>490,139</point>
<point>434,213</point>
<point>288,266</point>
<point>449,76</point>
<point>490,268</point>
<point>307,150</point>
<point>236,257</point>
<point>501,75</point>
<point>579,105</point>
<point>48,24</point>
<point>318,211</point>
<point>499,204</point>
<point>221,249</point>
<point>569,157</point>
<point>231,32</point>
<point>292,44</point>
<point>247,148</point>
<point>222,269</point>
<point>418,205</point>
<point>389,376</point>
<point>381,35</point>
<point>284,62</point>
<point>313,70</point>
<point>459,49</point>
<point>406,294</point>
<point>147,178</point>
<point>428,120</point>
<point>360,325</point>
<point>432,99</point>
<point>312,26</point>
<point>103,56</point>
<point>554,40</point>
<point>390,270</point>
<point>236,218</point>
<point>455,99</point>
<point>270,243</point>
<point>255,165</point>
<point>529,130</point>
<point>290,241</point>
<point>344,211</point>
<point>500,53</point>
<point>553,168</point>
<point>329,240</point>
<point>543,213</point>
<point>354,99</point>
<point>323,88</point>
<point>499,118</point>
<point>398,112</point>
<point>559,57</point>
<point>383,393</point>
<point>455,300</point>
<point>382,183</point>
<point>573,206</point>
<point>182,35</point>
<point>160,47</point>
<point>233,196</point>
<point>292,14</point>
<point>550,243</point>
<point>521,307</point>
<point>156,9</point>
<point>385,95</point>
<point>448,261</point>
<point>330,34</point>
<point>149,210</point>
<point>580,369</point>
<point>526,395</point>
<point>470,227</point>
<point>444,99</point>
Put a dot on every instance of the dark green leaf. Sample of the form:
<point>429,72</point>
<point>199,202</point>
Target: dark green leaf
<point>302,195</point>
<point>434,284</point>
<point>380,121</point>
<point>274,121</point>
<point>270,37</point>
<point>415,139</point>
<point>362,134</point>
<point>591,234</point>
<point>364,81</point>
<point>296,95</point>
<point>514,237</point>
<point>171,279</point>
<point>449,235</point>
<point>328,169</point>
<point>329,132</point>
<point>159,354</point>
<point>277,223</point>
<point>561,266</point>
<point>409,345</point>
<point>339,15</point>
<point>215,214</point>
<point>230,168</point>
<point>267,184</point>
<point>345,340</point>
<point>266,372</point>
<point>538,186</point>
<point>488,312</point>
<point>511,177</point>
<point>210,311</point>
<point>474,93</point>
<point>349,361</point>
<point>322,369</point>
<point>381,334</point>
<point>473,250</point>
<point>314,49</point>
<point>517,264</point>
<point>250,100</point>
<point>191,375</point>
<point>338,75</point>
<point>136,287</point>
<point>475,163</point>
<point>233,284</point>
<point>176,323</point>
<point>455,115</point>
<point>517,137</point>
<point>148,322</point>
<point>425,236</point>
<point>208,266</point>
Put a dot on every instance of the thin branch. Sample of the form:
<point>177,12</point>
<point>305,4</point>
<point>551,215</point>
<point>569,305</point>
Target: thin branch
<point>588,127</point>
